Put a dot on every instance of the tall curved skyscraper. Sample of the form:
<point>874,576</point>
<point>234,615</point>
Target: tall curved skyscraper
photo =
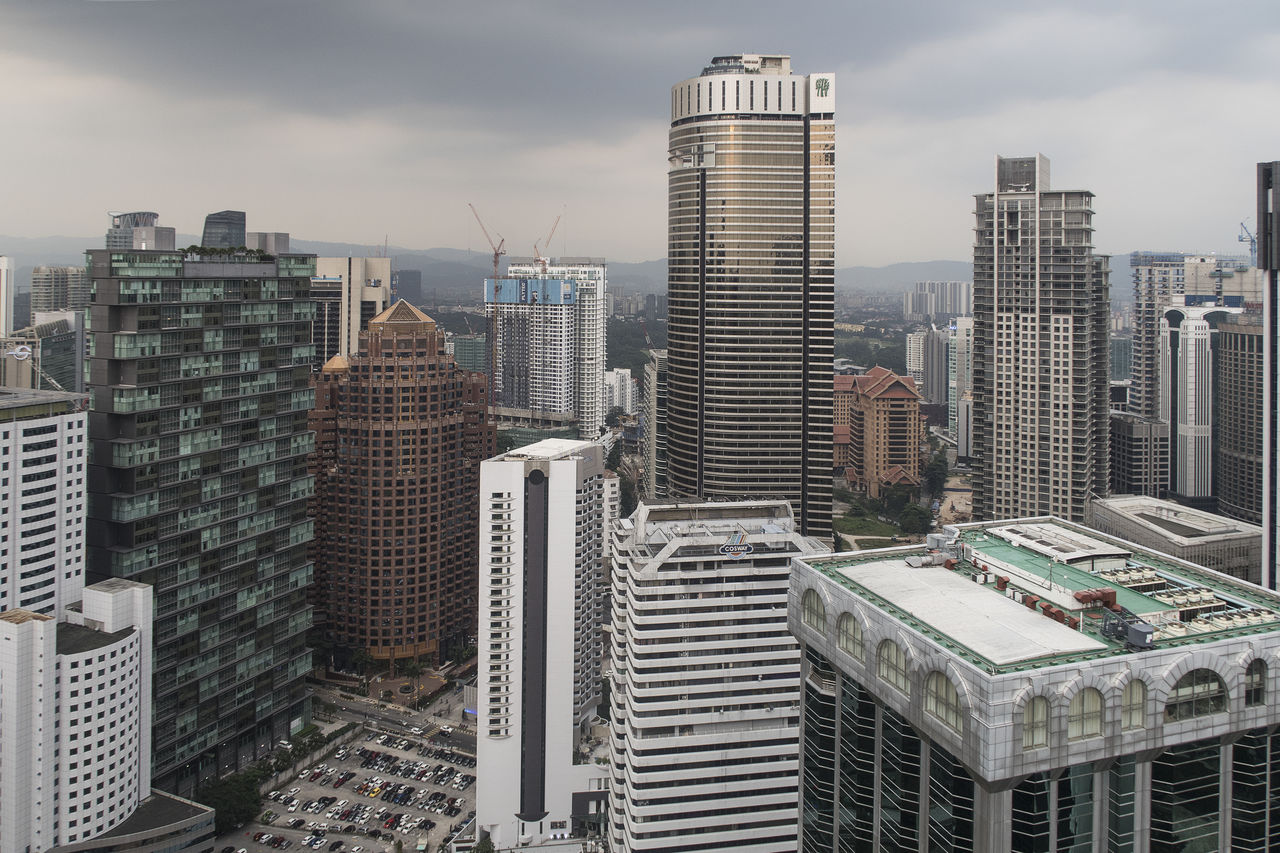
<point>751,278</point>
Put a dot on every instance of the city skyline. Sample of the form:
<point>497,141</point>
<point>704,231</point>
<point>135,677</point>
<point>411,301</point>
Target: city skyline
<point>427,111</point>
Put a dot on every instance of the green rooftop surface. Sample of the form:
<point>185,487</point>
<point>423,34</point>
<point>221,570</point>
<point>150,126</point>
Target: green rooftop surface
<point>1232,590</point>
<point>1061,574</point>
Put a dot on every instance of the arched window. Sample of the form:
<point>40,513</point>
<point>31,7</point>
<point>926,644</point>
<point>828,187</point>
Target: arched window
<point>1199,692</point>
<point>892,665</point>
<point>1035,723</point>
<point>1084,714</point>
<point>1133,706</point>
<point>942,700</point>
<point>849,635</point>
<point>1255,683</point>
<point>815,615</point>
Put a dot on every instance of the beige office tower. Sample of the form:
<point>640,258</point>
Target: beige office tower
<point>751,263</point>
<point>348,292</point>
<point>1040,380</point>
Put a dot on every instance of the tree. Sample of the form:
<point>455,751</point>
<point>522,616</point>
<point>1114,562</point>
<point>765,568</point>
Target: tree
<point>611,419</point>
<point>615,457</point>
<point>914,519</point>
<point>935,474</point>
<point>484,845</point>
<point>361,658</point>
<point>413,669</point>
<point>236,798</point>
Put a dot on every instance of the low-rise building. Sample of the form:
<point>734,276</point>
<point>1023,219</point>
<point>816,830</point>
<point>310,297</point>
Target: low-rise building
<point>1214,541</point>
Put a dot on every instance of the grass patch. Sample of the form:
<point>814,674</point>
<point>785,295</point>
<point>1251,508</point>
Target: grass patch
<point>876,543</point>
<point>864,526</point>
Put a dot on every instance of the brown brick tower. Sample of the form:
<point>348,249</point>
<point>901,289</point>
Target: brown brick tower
<point>400,434</point>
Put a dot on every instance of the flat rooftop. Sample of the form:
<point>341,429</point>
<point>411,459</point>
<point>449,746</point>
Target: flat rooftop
<point>20,403</point>
<point>1182,525</point>
<point>157,812</point>
<point>77,639</point>
<point>1007,600</point>
<point>548,448</point>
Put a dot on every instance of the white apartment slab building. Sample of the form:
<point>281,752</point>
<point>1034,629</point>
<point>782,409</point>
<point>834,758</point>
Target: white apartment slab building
<point>547,316</point>
<point>705,686</point>
<point>545,511</point>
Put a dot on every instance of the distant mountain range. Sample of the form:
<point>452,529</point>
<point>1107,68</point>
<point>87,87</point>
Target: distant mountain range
<point>449,274</point>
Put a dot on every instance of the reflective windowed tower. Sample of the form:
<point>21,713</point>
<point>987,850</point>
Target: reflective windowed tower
<point>751,261</point>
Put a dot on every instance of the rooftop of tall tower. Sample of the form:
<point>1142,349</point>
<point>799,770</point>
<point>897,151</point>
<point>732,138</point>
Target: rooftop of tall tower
<point>22,403</point>
<point>749,63</point>
<point>401,313</point>
<point>1027,593</point>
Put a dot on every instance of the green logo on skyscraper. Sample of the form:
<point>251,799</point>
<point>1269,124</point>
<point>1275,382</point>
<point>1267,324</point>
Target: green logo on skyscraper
<point>823,85</point>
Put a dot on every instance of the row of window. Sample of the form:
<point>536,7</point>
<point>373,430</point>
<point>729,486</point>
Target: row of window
<point>1198,693</point>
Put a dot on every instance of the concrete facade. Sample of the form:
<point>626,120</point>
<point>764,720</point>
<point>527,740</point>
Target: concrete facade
<point>705,678</point>
<point>545,510</point>
<point>1213,541</point>
<point>1025,730</point>
<point>1040,384</point>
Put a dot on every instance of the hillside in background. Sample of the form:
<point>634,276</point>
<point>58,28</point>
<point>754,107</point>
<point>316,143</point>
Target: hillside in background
<point>454,275</point>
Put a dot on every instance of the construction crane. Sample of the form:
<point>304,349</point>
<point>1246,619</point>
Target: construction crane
<point>1247,236</point>
<point>498,252</point>
<point>547,243</point>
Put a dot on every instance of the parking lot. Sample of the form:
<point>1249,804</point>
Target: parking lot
<point>377,790</point>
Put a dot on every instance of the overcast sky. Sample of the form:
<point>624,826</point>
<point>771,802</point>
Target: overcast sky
<point>351,121</point>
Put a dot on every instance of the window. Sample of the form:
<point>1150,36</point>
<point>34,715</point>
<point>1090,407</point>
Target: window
<point>942,700</point>
<point>1196,694</point>
<point>1255,684</point>
<point>892,665</point>
<point>1133,708</point>
<point>1084,715</point>
<point>849,635</point>
<point>1035,723</point>
<point>815,615</point>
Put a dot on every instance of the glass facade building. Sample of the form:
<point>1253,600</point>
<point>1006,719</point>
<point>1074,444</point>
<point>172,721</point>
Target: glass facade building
<point>224,230</point>
<point>198,376</point>
<point>751,266</point>
<point>954,701</point>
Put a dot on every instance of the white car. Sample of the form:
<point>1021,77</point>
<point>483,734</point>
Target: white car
<point>293,807</point>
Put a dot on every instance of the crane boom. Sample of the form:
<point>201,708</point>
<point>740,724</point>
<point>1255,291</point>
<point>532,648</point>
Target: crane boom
<point>498,251</point>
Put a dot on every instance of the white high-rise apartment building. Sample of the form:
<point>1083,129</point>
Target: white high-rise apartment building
<point>75,732</point>
<point>59,289</point>
<point>619,391</point>
<point>43,456</point>
<point>706,678</point>
<point>915,356</point>
<point>6,295</point>
<point>1187,342</point>
<point>960,364</point>
<point>550,347</point>
<point>654,425</point>
<point>1041,432</point>
<point>545,510</point>
<point>75,661</point>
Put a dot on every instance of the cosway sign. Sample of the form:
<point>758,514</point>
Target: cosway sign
<point>736,547</point>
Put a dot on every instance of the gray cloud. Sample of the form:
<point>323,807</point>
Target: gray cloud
<point>349,121</point>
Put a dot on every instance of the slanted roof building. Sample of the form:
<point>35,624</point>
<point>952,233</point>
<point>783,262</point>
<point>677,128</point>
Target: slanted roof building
<point>885,432</point>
